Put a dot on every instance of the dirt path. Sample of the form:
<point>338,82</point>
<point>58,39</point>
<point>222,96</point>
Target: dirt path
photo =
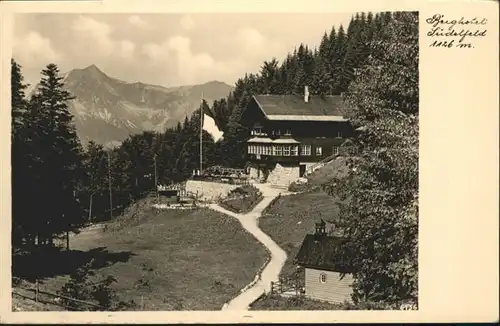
<point>272,270</point>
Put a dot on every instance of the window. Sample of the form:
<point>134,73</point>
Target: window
<point>286,150</point>
<point>288,132</point>
<point>319,151</point>
<point>278,151</point>
<point>258,131</point>
<point>295,150</point>
<point>322,278</point>
<point>305,150</point>
<point>339,134</point>
<point>335,150</point>
<point>276,132</point>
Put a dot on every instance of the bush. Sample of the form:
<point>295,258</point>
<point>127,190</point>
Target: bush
<point>80,287</point>
<point>302,187</point>
<point>242,199</point>
<point>277,302</point>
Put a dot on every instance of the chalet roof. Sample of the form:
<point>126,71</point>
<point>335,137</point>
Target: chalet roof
<point>265,140</point>
<point>285,141</point>
<point>319,251</point>
<point>293,107</point>
<point>261,140</point>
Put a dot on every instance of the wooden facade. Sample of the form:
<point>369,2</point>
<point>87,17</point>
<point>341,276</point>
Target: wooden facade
<point>292,129</point>
<point>325,278</point>
<point>326,285</point>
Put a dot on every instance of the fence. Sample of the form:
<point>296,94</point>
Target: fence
<point>55,299</point>
<point>223,171</point>
<point>235,180</point>
<point>319,164</point>
<point>58,300</point>
<point>176,190</point>
<point>284,285</point>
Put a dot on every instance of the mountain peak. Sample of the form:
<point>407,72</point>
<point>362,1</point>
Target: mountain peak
<point>92,67</point>
<point>91,71</point>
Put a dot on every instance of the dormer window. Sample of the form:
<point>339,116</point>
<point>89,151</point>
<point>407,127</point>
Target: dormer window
<point>288,132</point>
<point>339,134</point>
<point>258,131</point>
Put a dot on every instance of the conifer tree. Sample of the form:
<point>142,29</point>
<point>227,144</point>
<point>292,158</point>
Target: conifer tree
<point>61,155</point>
<point>338,61</point>
<point>379,197</point>
<point>19,154</point>
<point>18,98</point>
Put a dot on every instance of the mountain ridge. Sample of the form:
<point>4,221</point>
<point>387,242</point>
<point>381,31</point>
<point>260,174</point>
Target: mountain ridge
<point>107,110</point>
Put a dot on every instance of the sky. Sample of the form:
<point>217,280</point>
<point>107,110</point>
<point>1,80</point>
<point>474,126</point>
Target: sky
<point>165,49</point>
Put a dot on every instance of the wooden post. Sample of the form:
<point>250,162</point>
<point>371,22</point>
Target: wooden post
<point>90,208</point>
<point>67,240</point>
<point>201,134</point>
<point>110,189</point>
<point>36,290</point>
<point>156,182</point>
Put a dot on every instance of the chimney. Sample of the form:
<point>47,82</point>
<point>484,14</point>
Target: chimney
<point>320,229</point>
<point>306,94</point>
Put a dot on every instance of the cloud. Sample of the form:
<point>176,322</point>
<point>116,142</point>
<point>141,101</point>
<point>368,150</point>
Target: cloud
<point>137,21</point>
<point>176,49</point>
<point>195,67</point>
<point>127,49</point>
<point>176,55</point>
<point>32,49</point>
<point>187,22</point>
<point>189,64</point>
<point>96,35</point>
<point>257,45</point>
<point>156,52</point>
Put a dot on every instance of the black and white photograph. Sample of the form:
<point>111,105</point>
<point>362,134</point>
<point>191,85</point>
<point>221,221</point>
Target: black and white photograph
<point>215,161</point>
<point>249,162</point>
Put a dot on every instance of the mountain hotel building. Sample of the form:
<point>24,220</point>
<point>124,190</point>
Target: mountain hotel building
<point>291,133</point>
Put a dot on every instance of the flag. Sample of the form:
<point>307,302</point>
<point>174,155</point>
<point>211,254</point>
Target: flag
<point>208,124</point>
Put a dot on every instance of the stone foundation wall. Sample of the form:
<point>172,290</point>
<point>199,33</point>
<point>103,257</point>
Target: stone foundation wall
<point>209,191</point>
<point>283,174</point>
<point>254,172</point>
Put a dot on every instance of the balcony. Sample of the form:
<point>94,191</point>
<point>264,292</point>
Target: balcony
<point>258,133</point>
<point>266,149</point>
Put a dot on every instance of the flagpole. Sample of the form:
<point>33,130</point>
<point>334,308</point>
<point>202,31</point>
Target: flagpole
<point>201,134</point>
